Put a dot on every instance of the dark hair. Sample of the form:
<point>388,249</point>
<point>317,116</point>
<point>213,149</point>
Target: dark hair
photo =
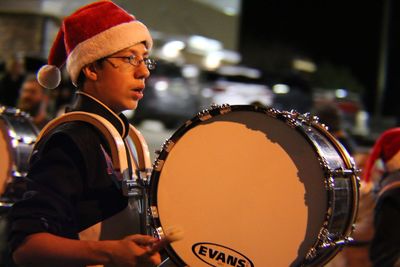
<point>82,78</point>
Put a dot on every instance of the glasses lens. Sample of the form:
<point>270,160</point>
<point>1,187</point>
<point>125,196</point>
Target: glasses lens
<point>150,63</point>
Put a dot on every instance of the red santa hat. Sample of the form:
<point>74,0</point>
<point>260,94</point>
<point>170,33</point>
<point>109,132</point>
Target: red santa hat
<point>90,33</point>
<point>387,148</point>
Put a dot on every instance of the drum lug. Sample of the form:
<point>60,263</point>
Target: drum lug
<point>309,119</point>
<point>158,165</point>
<point>225,108</point>
<point>154,211</point>
<point>291,118</point>
<point>160,232</point>
<point>168,145</point>
<point>204,115</point>
<point>311,254</point>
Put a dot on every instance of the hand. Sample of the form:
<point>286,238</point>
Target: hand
<point>135,251</point>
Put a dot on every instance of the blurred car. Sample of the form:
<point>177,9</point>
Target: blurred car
<point>169,97</point>
<point>235,85</point>
<point>355,117</point>
<point>292,92</point>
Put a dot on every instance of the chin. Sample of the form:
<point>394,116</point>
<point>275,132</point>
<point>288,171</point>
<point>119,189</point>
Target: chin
<point>134,105</point>
<point>129,106</point>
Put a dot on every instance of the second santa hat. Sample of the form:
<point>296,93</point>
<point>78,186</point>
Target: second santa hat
<point>92,32</point>
<point>387,148</point>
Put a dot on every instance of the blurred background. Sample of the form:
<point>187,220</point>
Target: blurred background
<point>337,59</point>
<point>287,54</point>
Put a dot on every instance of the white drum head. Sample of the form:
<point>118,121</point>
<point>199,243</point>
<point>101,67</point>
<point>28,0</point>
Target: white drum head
<point>246,189</point>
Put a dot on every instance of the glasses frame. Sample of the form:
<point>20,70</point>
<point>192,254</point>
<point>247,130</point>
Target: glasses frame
<point>134,61</point>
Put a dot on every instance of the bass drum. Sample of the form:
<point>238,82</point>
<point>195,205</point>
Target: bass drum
<point>250,186</point>
<point>17,136</point>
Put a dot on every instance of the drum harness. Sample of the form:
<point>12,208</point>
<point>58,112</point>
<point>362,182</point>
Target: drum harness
<point>133,183</point>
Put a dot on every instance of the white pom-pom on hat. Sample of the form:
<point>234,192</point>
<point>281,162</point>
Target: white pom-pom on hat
<point>49,76</point>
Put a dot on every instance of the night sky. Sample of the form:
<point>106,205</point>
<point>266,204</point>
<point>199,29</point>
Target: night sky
<point>343,32</point>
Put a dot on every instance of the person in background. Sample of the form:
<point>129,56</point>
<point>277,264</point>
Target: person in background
<point>330,115</point>
<point>12,80</point>
<point>33,99</point>
<point>72,184</point>
<point>385,245</point>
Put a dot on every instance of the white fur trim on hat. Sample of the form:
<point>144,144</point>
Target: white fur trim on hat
<point>49,76</point>
<point>106,43</point>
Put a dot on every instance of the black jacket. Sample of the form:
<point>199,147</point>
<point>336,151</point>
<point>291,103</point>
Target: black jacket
<point>68,186</point>
<point>385,245</point>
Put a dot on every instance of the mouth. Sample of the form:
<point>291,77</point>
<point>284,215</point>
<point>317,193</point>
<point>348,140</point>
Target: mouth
<point>138,93</point>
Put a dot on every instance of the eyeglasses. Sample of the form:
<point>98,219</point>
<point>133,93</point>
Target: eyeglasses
<point>134,61</point>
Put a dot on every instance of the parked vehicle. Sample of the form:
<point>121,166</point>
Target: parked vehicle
<point>355,117</point>
<point>169,97</point>
<point>236,85</point>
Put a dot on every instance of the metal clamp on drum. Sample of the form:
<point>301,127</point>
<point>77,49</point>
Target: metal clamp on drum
<point>132,188</point>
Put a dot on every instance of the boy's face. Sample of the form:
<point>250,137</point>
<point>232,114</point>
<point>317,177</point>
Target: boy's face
<point>119,84</point>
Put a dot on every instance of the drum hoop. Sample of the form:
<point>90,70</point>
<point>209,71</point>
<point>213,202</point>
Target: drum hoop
<point>8,117</point>
<point>291,118</point>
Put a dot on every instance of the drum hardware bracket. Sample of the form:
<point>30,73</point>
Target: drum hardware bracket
<point>168,145</point>
<point>225,108</point>
<point>272,112</point>
<point>154,211</point>
<point>20,139</point>
<point>145,174</point>
<point>340,172</point>
<point>18,174</point>
<point>311,254</point>
<point>308,119</point>
<point>326,238</point>
<point>204,115</point>
<point>158,165</point>
<point>160,232</point>
<point>132,188</point>
<point>326,243</point>
<point>290,118</point>
<point>340,242</point>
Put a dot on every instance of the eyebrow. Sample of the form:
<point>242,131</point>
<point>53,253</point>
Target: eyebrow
<point>135,52</point>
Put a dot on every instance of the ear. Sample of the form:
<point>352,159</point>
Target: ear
<point>90,72</point>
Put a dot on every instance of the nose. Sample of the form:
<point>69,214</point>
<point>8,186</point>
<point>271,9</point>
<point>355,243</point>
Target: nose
<point>141,71</point>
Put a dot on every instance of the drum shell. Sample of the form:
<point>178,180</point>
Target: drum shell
<point>339,181</point>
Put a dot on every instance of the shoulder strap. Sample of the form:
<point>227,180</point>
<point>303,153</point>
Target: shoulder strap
<point>143,154</point>
<point>118,151</point>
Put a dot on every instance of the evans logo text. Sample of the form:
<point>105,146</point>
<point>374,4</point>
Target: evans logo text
<point>220,256</point>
